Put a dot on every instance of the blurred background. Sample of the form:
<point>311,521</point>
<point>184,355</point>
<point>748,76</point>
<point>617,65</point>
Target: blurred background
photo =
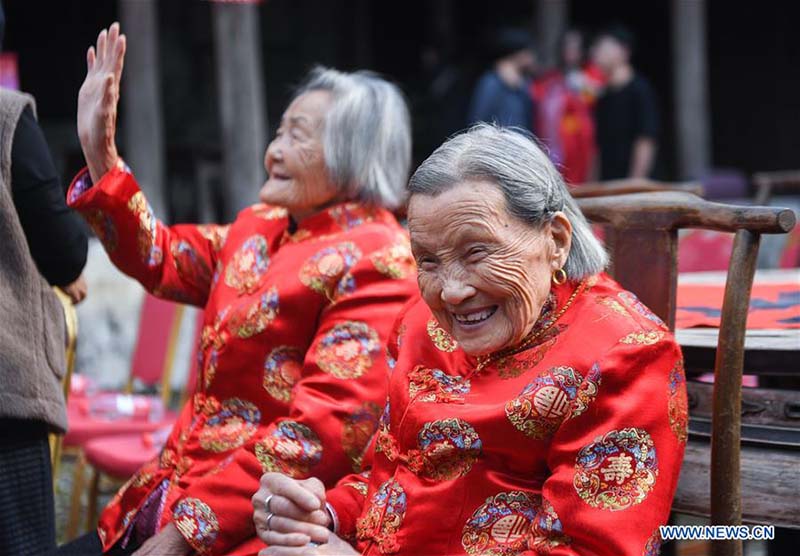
<point>725,78</point>
<point>206,82</point>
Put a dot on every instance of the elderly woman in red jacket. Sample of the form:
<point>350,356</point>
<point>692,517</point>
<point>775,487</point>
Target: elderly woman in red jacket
<point>535,406</point>
<point>299,294</point>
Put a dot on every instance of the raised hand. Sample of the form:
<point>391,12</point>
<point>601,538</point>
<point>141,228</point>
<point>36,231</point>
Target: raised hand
<point>97,102</point>
<point>289,512</point>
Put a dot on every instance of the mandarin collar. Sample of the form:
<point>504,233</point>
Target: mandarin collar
<point>337,218</point>
<point>554,309</point>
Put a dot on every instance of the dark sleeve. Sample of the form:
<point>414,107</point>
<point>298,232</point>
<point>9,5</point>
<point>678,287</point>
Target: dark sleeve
<point>647,107</point>
<point>56,235</point>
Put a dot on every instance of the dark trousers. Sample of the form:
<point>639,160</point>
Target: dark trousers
<point>90,545</point>
<point>27,514</point>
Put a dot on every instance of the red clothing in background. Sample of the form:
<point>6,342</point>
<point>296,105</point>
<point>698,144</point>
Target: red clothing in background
<point>292,368</point>
<point>571,447</point>
<point>565,120</point>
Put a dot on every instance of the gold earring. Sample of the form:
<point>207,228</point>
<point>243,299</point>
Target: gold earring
<point>559,276</point>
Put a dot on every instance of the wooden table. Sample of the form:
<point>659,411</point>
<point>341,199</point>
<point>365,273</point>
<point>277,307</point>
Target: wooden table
<point>767,351</point>
<point>769,457</point>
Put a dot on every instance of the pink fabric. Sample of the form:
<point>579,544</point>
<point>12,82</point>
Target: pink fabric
<point>120,456</point>
<point>83,428</point>
<point>155,324</point>
<point>701,250</point>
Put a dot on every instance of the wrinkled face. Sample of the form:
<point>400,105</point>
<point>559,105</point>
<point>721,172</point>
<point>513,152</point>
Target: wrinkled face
<point>608,53</point>
<point>295,160</point>
<point>484,273</point>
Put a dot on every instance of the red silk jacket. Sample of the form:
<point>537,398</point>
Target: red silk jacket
<point>292,368</point>
<point>571,447</point>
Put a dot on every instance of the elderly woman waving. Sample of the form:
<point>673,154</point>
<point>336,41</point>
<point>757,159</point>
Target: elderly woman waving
<point>299,295</point>
<point>535,406</point>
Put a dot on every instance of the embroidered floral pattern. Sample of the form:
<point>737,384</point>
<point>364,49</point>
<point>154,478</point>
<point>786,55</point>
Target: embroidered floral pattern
<point>257,317</point>
<point>221,465</point>
<point>190,267</point>
<point>147,233</point>
<point>197,523</point>
<point>358,428</point>
<point>384,441</point>
<point>269,212</point>
<point>613,304</point>
<point>433,385</point>
<point>350,215</point>
<point>547,531</point>
<point>516,365</point>
<point>678,403</point>
<point>391,362</point>
<point>386,444</point>
<point>546,401</point>
<point>103,227</point>
<point>247,267</point>
<point>587,391</point>
<point>653,545</point>
<point>440,338</point>
<point>382,520</point>
<point>401,332</point>
<point>643,337</point>
<point>232,426</point>
<point>547,314</point>
<point>291,448</point>
<point>359,487</point>
<point>328,271</point>
<point>348,350</point>
<point>500,526</point>
<point>282,369</point>
<point>141,478</point>
<point>617,470</point>
<point>210,368</point>
<point>633,302</point>
<point>394,261</point>
<point>215,234</point>
<point>447,450</point>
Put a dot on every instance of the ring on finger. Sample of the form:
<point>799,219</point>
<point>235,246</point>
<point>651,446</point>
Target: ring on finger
<point>267,502</point>
<point>269,521</point>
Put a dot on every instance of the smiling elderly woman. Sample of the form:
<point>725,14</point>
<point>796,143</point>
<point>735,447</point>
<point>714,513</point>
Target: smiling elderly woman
<point>535,407</point>
<point>299,296</point>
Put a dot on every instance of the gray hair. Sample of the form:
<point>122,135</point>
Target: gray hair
<point>366,135</point>
<point>533,189</point>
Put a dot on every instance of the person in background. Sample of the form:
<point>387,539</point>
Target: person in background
<point>299,294</point>
<point>44,244</point>
<point>501,95</point>
<point>565,98</point>
<point>626,115</point>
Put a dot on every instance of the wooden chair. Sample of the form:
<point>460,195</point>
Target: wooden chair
<point>642,233</point>
<point>71,320</point>
<point>768,182</point>
<point>118,457</point>
<point>151,365</point>
<point>788,181</point>
<point>633,185</point>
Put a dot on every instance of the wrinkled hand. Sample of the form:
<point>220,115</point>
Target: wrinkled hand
<point>334,547</point>
<point>77,290</point>
<point>97,102</point>
<point>297,508</point>
<point>167,542</point>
